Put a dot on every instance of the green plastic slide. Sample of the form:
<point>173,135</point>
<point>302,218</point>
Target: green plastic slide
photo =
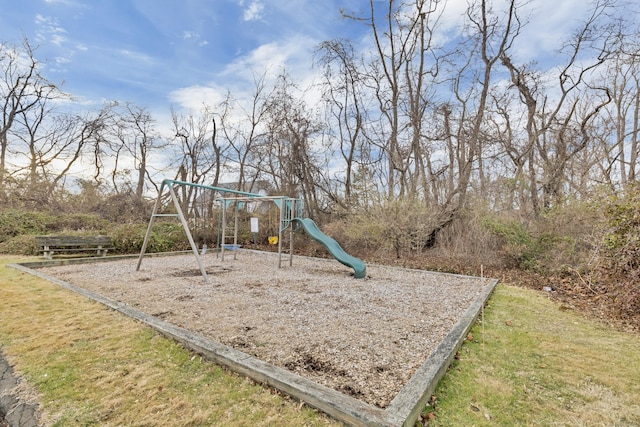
<point>333,247</point>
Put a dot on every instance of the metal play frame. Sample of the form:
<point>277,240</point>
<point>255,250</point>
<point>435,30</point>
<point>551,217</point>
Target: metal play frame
<point>290,209</point>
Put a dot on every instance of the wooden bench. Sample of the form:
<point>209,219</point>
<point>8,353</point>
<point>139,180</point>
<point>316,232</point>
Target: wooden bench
<point>49,245</point>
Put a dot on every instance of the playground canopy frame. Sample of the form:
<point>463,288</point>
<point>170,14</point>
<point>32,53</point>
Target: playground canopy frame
<point>290,209</point>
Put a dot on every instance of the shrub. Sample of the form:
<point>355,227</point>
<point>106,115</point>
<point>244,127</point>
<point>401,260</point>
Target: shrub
<point>77,222</point>
<point>114,207</point>
<point>19,245</point>
<point>401,226</point>
<point>622,242</point>
<point>562,239</point>
<point>14,222</point>
<point>622,250</point>
<point>468,242</point>
<point>18,222</point>
<point>127,238</point>
<point>165,237</point>
<point>573,232</point>
<point>520,247</point>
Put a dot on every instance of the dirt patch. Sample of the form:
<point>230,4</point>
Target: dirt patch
<point>363,337</point>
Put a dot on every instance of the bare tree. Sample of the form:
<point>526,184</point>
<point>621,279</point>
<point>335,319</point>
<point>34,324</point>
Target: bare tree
<point>343,92</point>
<point>200,153</point>
<point>400,75</point>
<point>493,34</point>
<point>246,132</point>
<point>134,130</point>
<point>22,88</point>
<point>45,139</point>
<point>558,127</point>
<point>48,144</point>
<point>292,155</point>
<point>618,128</point>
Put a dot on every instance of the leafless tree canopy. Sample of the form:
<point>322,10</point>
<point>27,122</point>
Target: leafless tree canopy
<point>417,115</point>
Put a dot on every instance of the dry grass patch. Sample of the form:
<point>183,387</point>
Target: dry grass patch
<point>538,364</point>
<point>90,365</point>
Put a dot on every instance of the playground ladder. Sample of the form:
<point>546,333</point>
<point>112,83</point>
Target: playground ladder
<point>229,229</point>
<point>289,209</point>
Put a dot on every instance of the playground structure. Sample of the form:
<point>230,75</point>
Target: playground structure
<point>290,220</point>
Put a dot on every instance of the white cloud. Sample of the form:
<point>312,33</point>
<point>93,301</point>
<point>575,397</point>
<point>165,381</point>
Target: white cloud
<point>194,36</point>
<point>254,11</point>
<point>190,35</point>
<point>292,55</point>
<point>546,31</point>
<point>194,97</point>
<point>58,39</point>
<point>50,30</point>
<point>62,2</point>
<point>266,56</point>
<point>135,56</point>
<point>59,60</point>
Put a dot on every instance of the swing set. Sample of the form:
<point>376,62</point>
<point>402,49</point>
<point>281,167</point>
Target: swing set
<point>290,209</point>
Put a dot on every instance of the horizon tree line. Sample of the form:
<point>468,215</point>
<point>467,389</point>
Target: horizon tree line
<point>445,122</point>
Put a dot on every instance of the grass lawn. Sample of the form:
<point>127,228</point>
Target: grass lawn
<point>535,364</point>
<point>528,363</point>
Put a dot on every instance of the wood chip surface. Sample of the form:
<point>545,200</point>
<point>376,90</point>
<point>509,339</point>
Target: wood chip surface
<point>362,337</point>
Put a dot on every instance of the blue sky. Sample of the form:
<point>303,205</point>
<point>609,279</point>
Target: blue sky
<point>163,53</point>
<point>147,51</point>
<point>183,54</point>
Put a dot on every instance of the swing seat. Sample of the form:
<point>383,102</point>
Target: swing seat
<point>231,247</point>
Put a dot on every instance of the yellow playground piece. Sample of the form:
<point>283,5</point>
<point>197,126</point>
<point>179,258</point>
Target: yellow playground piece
<point>273,240</point>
